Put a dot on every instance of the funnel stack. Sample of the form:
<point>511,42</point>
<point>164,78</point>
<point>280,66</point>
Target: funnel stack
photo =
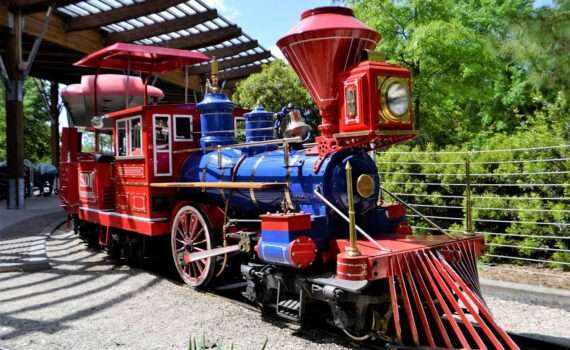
<point>326,42</point>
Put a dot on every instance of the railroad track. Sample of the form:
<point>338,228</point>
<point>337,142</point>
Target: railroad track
<point>523,341</point>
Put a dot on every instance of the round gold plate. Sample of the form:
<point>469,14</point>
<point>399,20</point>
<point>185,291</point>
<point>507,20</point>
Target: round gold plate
<point>365,185</point>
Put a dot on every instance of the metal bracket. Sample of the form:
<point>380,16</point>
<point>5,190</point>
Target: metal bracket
<point>4,72</point>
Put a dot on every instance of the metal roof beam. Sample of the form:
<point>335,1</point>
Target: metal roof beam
<point>232,50</point>
<point>212,37</point>
<point>119,14</point>
<point>234,62</point>
<point>238,73</point>
<point>162,27</point>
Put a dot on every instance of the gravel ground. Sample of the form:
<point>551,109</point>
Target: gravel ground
<point>85,302</point>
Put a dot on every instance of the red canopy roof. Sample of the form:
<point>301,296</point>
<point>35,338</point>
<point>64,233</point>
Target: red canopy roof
<point>141,58</point>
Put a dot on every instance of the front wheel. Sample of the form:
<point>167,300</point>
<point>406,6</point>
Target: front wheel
<point>190,234</point>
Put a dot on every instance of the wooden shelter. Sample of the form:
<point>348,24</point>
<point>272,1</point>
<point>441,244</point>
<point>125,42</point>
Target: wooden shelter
<point>42,38</point>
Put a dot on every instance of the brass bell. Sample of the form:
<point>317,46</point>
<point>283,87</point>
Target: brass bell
<point>296,125</point>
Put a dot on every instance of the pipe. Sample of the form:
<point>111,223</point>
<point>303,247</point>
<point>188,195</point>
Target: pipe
<point>296,139</point>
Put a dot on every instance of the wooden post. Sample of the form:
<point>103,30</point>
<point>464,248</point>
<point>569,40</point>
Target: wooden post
<point>15,114</point>
<point>54,114</point>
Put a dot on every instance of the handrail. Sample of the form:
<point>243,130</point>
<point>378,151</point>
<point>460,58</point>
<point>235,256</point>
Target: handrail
<point>287,140</point>
<point>433,224</point>
<point>341,214</point>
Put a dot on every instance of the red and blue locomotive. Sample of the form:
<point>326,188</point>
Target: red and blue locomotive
<point>302,227</point>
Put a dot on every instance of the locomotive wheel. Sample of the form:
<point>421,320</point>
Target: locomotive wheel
<point>190,234</point>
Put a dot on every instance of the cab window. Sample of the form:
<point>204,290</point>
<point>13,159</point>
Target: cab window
<point>129,137</point>
<point>183,130</point>
<point>87,142</point>
<point>105,143</point>
<point>122,138</point>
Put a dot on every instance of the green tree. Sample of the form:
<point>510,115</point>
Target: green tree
<point>275,86</point>
<point>542,43</point>
<point>36,124</point>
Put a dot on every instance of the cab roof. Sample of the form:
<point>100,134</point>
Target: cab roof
<point>141,58</point>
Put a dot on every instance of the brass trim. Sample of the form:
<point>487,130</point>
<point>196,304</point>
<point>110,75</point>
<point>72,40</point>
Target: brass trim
<point>340,135</point>
<point>253,173</point>
<point>396,132</point>
<point>365,186</point>
<point>223,184</point>
<point>383,84</point>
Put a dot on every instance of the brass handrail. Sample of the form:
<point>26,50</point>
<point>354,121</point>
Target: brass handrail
<point>342,215</point>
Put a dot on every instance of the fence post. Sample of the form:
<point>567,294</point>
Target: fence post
<point>468,211</point>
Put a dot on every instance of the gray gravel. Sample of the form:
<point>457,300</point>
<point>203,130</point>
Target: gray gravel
<point>85,302</point>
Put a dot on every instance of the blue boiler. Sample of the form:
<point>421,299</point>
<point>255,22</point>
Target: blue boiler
<point>241,166</point>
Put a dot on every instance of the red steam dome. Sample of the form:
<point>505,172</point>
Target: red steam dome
<point>325,43</point>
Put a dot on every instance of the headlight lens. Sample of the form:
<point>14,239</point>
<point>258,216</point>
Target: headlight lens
<point>398,99</point>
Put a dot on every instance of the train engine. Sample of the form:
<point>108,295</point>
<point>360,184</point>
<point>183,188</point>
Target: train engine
<point>306,224</point>
<point>304,229</point>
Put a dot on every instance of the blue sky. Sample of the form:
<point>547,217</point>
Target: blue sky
<point>268,20</point>
<point>265,20</point>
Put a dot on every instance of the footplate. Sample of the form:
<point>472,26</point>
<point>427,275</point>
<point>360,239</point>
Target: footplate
<point>291,309</point>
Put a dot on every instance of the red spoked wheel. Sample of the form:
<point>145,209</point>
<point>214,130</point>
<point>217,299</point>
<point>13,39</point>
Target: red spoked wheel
<point>191,234</point>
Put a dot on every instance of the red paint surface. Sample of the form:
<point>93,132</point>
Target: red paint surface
<point>286,222</point>
<point>394,211</point>
<point>302,251</point>
<point>325,43</point>
<point>378,261</point>
<point>141,58</point>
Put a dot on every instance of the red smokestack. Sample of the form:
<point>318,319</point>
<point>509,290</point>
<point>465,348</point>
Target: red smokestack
<point>325,43</point>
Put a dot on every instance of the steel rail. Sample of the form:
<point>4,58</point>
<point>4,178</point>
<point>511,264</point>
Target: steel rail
<point>491,209</point>
<point>481,197</point>
<point>477,174</point>
<point>475,162</point>
<point>502,150</point>
<point>532,248</point>
<point>525,236</point>
<point>528,259</point>
<point>454,184</point>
